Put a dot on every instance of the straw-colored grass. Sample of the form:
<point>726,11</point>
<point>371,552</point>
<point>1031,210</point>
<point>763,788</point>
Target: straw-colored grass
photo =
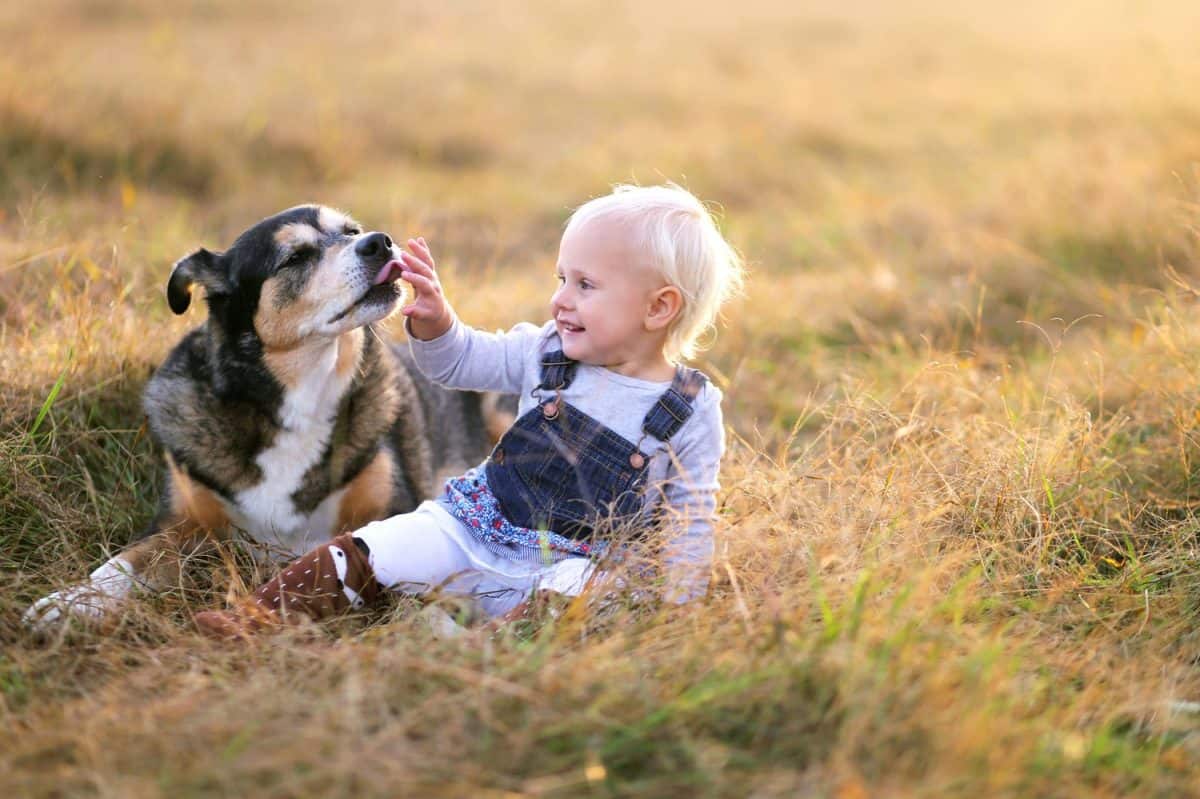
<point>957,549</point>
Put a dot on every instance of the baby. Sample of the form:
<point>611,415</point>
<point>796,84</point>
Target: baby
<point>613,438</point>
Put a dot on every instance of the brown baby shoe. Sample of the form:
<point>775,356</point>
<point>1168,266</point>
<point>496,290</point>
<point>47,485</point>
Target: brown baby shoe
<point>330,579</point>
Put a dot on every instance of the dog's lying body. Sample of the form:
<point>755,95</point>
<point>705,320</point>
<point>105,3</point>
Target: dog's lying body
<point>284,415</point>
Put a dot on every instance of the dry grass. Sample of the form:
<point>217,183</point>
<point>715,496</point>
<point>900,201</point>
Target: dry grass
<point>958,542</point>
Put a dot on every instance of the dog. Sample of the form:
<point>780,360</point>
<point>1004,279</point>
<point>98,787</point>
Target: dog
<point>285,416</point>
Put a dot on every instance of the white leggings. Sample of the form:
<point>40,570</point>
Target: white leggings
<point>428,549</point>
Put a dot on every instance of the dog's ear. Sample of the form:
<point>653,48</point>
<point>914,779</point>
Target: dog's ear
<point>201,267</point>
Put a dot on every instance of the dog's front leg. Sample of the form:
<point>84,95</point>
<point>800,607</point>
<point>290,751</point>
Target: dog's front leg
<point>154,563</point>
<point>104,589</point>
<point>191,519</point>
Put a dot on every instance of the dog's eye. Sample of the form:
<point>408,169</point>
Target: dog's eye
<point>353,230</point>
<point>298,257</point>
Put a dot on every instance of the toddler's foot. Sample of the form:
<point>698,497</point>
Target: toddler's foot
<point>330,579</point>
<point>236,623</point>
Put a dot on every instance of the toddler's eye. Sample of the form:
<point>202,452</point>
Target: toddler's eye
<point>585,284</point>
<point>560,279</point>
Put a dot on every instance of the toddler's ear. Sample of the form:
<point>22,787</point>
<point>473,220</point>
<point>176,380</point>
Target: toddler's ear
<point>665,305</point>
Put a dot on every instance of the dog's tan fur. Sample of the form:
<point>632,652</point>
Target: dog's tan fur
<point>365,499</point>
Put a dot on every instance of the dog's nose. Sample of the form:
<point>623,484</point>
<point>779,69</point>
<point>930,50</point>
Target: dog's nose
<point>373,245</point>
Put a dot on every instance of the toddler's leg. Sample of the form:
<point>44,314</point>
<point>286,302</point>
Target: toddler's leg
<point>411,553</point>
<point>407,552</point>
<point>568,577</point>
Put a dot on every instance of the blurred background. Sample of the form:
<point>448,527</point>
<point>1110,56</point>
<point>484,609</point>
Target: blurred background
<point>894,173</point>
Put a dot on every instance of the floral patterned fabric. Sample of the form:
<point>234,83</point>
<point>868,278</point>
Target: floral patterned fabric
<point>471,501</point>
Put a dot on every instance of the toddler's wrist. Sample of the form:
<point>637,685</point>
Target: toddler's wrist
<point>427,330</point>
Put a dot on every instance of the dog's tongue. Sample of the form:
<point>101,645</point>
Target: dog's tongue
<point>389,273</point>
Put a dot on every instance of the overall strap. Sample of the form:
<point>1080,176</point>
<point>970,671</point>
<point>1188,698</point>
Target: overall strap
<point>557,371</point>
<point>674,407</point>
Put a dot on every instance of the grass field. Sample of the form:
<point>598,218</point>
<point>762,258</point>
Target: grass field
<point>958,551</point>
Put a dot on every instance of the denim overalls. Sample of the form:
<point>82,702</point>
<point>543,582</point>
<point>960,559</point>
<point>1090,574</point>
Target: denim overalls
<point>559,469</point>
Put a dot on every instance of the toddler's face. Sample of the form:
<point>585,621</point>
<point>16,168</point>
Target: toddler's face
<point>603,296</point>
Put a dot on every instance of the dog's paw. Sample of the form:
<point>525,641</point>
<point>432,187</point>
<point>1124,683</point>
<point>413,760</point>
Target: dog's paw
<point>106,587</point>
<point>80,601</point>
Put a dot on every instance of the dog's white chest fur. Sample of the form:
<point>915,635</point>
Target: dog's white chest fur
<point>267,511</point>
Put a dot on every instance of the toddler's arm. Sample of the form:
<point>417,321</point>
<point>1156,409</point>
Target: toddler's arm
<point>452,353</point>
<point>691,498</point>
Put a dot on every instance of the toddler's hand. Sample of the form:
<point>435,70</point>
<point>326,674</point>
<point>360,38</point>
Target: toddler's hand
<point>429,314</point>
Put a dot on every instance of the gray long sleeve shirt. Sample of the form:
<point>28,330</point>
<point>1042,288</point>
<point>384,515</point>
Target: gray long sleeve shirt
<point>684,471</point>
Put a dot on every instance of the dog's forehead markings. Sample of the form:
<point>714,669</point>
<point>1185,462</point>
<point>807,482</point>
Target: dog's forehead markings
<point>295,234</point>
<point>332,221</point>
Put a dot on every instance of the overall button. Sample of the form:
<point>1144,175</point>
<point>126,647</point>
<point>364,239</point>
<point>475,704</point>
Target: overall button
<point>498,456</point>
<point>636,460</point>
<point>550,410</point>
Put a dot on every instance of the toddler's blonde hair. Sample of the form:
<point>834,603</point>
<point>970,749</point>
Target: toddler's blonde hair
<point>682,243</point>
